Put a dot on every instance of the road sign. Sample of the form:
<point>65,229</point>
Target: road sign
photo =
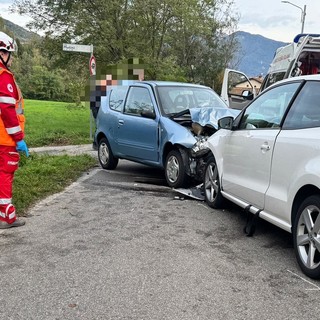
<point>72,47</point>
<point>92,65</point>
<point>77,47</point>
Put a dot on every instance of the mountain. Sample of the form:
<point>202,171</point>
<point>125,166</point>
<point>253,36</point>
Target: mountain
<point>255,54</point>
<point>21,33</point>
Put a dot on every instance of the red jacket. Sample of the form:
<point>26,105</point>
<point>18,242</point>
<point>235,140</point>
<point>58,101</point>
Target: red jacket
<point>11,109</point>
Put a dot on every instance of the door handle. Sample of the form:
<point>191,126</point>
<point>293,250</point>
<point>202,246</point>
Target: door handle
<point>265,147</point>
<point>121,122</point>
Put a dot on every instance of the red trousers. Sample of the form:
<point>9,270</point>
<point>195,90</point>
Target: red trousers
<point>9,161</point>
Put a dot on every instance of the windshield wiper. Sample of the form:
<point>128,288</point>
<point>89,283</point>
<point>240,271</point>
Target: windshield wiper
<point>179,114</point>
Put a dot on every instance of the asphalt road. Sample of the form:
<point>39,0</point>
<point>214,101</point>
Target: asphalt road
<point>118,245</point>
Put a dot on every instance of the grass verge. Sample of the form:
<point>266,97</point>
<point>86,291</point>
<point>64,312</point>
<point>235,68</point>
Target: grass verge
<point>51,123</point>
<point>42,175</point>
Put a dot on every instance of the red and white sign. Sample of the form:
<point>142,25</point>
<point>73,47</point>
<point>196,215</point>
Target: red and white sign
<point>92,65</point>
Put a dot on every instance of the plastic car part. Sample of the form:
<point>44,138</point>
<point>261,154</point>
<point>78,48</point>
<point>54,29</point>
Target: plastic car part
<point>194,192</point>
<point>251,223</point>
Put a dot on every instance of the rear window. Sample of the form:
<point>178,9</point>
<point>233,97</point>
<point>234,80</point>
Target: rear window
<point>305,111</point>
<point>272,78</point>
<point>117,97</point>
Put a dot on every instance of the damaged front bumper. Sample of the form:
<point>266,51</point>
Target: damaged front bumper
<point>197,159</point>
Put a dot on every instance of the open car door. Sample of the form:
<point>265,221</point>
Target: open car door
<point>237,90</point>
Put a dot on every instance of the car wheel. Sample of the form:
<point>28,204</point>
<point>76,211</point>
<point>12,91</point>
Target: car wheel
<point>175,170</point>
<point>212,190</point>
<point>306,236</point>
<point>105,155</point>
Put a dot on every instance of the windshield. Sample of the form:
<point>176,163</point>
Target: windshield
<point>176,99</point>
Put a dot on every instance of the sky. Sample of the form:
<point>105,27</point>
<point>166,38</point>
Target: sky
<point>276,20</point>
<point>269,18</point>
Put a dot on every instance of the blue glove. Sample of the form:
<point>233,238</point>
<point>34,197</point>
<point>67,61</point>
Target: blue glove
<point>22,147</point>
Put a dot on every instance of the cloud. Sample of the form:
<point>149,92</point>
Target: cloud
<point>277,20</point>
<point>265,21</point>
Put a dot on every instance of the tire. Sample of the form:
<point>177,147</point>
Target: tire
<point>105,155</point>
<point>212,190</point>
<point>175,171</point>
<point>306,236</point>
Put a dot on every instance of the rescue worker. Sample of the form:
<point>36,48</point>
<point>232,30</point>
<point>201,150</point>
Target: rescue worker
<point>11,132</point>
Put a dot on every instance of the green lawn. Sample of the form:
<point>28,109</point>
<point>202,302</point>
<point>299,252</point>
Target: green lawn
<point>56,123</point>
<point>51,123</point>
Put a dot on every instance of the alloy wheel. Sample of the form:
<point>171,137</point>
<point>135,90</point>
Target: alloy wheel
<point>211,183</point>
<point>308,237</point>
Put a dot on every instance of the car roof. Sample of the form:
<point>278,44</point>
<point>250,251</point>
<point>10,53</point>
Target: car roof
<point>154,83</point>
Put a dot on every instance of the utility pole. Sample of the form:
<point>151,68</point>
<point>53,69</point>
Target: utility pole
<point>303,13</point>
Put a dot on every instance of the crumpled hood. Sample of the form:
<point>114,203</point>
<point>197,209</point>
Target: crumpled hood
<point>211,115</point>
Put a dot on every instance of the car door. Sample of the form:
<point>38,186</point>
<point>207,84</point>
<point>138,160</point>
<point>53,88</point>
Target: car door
<point>237,90</point>
<point>137,131</point>
<point>296,155</point>
<point>248,149</point>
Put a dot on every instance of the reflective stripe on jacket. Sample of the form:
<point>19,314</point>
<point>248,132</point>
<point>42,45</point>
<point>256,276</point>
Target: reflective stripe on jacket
<point>5,138</point>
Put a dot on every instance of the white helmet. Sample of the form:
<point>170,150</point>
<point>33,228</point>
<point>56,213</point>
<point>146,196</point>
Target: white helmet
<point>7,43</point>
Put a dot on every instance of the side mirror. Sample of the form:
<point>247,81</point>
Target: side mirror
<point>248,95</point>
<point>148,114</point>
<point>225,123</point>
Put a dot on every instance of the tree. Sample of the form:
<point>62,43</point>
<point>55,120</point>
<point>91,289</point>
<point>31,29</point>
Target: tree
<point>183,40</point>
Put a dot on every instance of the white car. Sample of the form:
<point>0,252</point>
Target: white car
<point>267,160</point>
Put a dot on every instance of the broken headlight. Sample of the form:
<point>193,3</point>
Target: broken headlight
<point>200,148</point>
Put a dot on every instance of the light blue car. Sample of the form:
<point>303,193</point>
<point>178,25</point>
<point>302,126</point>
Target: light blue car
<point>157,123</point>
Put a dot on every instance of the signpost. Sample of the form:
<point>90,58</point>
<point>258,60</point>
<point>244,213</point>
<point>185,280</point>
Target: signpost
<point>72,47</point>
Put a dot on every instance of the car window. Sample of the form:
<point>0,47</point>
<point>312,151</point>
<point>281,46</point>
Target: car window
<point>138,100</point>
<point>117,97</point>
<point>268,109</point>
<point>273,78</point>
<point>238,84</point>
<point>174,99</point>
<point>305,111</point>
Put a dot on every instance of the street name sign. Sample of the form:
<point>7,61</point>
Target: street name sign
<point>77,47</point>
